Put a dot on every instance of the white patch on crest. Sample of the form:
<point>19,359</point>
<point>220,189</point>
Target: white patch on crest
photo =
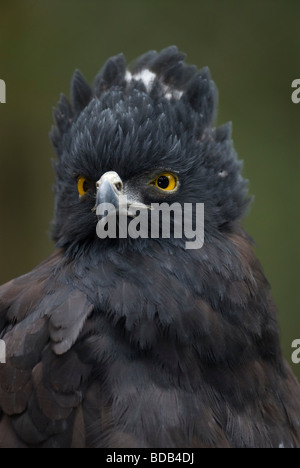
<point>173,93</point>
<point>148,78</point>
<point>128,76</point>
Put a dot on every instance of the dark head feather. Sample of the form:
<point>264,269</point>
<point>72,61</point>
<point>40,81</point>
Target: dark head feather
<point>197,88</point>
<point>81,92</point>
<point>157,113</point>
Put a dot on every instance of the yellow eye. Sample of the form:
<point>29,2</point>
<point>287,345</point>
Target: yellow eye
<point>82,186</point>
<point>166,182</point>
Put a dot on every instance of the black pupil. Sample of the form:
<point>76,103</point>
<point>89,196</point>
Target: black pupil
<point>85,186</point>
<point>163,182</point>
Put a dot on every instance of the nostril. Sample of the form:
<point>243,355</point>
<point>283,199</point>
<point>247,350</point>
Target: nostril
<point>110,178</point>
<point>119,186</point>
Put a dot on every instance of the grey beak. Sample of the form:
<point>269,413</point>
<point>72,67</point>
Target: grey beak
<point>109,189</point>
<point>110,197</point>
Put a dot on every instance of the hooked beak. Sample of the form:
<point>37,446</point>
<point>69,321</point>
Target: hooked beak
<point>112,196</point>
<point>109,189</point>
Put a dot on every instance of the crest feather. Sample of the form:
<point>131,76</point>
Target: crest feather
<point>81,92</point>
<point>111,74</point>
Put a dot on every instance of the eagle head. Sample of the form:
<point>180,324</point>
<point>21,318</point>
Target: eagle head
<point>145,134</point>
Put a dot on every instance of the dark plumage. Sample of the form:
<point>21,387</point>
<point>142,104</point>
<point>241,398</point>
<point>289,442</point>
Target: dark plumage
<point>141,342</point>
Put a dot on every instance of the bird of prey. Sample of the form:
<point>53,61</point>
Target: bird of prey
<point>139,341</point>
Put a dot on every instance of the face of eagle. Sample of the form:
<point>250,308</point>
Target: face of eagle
<point>147,134</point>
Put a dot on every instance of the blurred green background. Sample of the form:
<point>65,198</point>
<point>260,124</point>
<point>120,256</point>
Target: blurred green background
<point>253,52</point>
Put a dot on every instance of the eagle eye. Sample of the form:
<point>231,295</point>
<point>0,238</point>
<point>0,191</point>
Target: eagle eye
<point>166,182</point>
<point>82,186</point>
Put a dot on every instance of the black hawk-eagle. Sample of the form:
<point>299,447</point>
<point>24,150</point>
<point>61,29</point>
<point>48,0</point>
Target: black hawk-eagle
<point>139,341</point>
